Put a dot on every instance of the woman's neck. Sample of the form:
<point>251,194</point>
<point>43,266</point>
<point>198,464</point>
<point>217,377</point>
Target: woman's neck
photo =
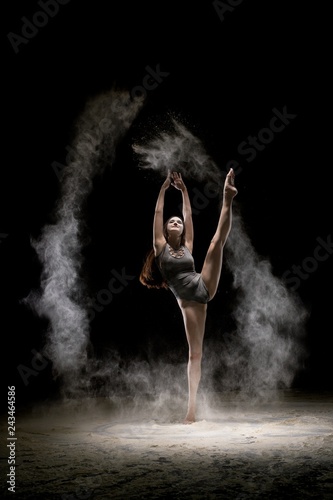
<point>174,242</point>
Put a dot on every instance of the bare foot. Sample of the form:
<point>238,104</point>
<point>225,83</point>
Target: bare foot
<point>229,185</point>
<point>189,419</point>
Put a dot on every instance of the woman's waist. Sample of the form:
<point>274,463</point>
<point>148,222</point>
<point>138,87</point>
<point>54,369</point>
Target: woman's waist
<point>182,278</point>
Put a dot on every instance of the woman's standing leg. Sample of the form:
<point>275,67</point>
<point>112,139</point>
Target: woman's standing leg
<point>194,315</point>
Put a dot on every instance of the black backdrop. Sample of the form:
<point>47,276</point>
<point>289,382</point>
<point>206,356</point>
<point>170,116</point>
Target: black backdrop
<point>225,67</point>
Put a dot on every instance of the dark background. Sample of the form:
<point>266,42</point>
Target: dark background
<point>224,79</point>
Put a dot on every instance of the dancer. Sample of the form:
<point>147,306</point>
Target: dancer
<point>170,265</point>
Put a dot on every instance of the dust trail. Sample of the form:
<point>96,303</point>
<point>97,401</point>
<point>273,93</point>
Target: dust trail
<point>147,388</point>
<point>179,150</point>
<point>266,351</point>
<point>62,297</point>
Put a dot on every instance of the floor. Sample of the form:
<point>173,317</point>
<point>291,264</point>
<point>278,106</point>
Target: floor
<point>237,450</point>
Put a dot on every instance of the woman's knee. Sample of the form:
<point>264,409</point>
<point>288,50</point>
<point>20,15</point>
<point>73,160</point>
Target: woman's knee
<point>195,356</point>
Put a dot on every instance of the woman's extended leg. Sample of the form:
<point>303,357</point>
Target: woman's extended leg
<point>194,315</point>
<point>212,266</point>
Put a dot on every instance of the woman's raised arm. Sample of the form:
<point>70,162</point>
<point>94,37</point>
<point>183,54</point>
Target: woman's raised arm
<point>158,236</point>
<point>178,183</point>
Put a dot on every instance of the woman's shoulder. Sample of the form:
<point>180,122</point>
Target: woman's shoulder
<point>159,250</point>
<point>189,246</point>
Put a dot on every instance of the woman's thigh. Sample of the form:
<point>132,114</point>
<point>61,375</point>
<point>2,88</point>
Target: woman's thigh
<point>194,315</point>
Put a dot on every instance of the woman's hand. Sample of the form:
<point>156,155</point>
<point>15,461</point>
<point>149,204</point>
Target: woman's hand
<point>167,181</point>
<point>177,181</point>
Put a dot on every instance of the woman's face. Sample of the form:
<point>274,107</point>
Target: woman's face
<point>175,225</point>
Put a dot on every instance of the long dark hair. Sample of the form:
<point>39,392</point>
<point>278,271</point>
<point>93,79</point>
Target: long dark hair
<point>150,275</point>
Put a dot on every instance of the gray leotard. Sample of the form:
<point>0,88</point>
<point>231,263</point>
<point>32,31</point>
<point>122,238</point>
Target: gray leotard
<point>181,277</point>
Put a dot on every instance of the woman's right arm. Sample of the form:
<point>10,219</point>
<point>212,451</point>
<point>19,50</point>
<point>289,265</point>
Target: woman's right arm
<point>158,236</point>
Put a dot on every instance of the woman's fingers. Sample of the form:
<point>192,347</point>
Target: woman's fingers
<point>176,176</point>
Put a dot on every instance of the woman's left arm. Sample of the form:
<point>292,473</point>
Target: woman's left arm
<point>178,183</point>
